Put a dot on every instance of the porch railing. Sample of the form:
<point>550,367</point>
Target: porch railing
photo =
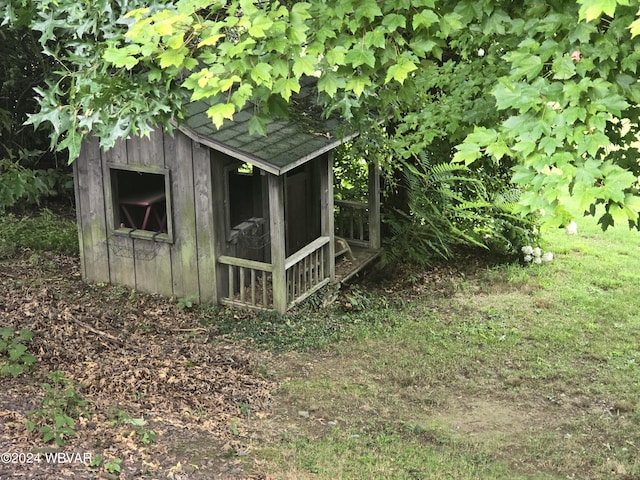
<point>249,283</point>
<point>307,270</point>
<point>352,222</point>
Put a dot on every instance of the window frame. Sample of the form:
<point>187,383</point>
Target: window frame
<point>113,211</point>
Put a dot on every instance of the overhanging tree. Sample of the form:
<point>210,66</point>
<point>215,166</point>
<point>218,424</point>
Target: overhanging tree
<point>547,88</point>
<point>571,99</point>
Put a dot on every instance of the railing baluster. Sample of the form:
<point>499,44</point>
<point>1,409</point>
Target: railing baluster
<point>294,281</point>
<point>289,274</point>
<point>264,288</point>
<point>247,273</point>
<point>242,286</point>
<point>253,287</point>
<point>304,274</point>
<point>316,280</point>
<point>352,221</point>
<point>351,215</point>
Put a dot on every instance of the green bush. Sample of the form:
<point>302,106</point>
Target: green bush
<point>22,185</point>
<point>449,206</point>
<point>45,232</point>
<point>438,216</point>
<point>61,406</point>
<point>14,358</point>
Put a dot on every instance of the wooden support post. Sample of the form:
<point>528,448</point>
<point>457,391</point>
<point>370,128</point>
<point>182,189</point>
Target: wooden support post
<point>327,226</point>
<point>374,207</point>
<point>277,231</point>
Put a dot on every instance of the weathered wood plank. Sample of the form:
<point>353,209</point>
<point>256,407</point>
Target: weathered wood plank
<point>121,261</point>
<point>91,213</point>
<point>277,229</point>
<point>306,250</point>
<point>264,288</point>
<point>184,252</point>
<point>243,262</point>
<point>235,303</point>
<point>310,292</point>
<point>241,284</point>
<point>253,286</point>
<point>375,240</point>
<point>328,227</point>
<point>78,203</point>
<point>152,274</point>
<point>205,223</point>
<point>217,199</point>
<point>352,204</point>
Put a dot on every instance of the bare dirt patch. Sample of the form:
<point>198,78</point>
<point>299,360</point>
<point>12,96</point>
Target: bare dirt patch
<point>485,417</point>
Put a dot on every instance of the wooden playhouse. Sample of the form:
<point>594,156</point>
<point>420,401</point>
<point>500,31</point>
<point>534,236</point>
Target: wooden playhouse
<point>223,216</point>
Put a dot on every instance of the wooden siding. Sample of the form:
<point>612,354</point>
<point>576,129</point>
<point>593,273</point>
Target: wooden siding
<point>184,265</point>
<point>121,266</point>
<point>375,241</point>
<point>182,262</point>
<point>205,223</point>
<point>327,225</point>
<point>152,273</point>
<point>90,208</point>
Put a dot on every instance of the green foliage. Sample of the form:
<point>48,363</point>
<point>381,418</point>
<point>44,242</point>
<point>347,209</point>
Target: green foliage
<point>512,337</point>
<point>24,66</point>
<point>449,206</point>
<point>570,104</point>
<point>111,465</point>
<point>45,232</point>
<point>146,436</point>
<point>131,65</point>
<point>81,94</point>
<point>14,358</point>
<point>62,405</point>
<point>547,88</point>
<point>187,302</point>
<point>504,232</point>
<point>350,173</point>
<point>233,426</point>
<point>313,325</point>
<point>428,230</point>
<point>21,185</point>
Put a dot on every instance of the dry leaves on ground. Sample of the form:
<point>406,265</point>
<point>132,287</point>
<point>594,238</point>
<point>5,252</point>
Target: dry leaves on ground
<point>138,356</point>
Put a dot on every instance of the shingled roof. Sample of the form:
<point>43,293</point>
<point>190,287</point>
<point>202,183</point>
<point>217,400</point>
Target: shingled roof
<point>287,144</point>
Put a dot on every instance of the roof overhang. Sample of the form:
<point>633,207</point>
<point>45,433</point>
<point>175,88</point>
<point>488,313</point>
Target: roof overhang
<point>263,164</point>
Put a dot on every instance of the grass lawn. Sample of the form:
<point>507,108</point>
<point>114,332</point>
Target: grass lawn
<point>508,372</point>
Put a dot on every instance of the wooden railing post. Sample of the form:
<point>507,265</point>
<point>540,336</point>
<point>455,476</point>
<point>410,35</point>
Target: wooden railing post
<point>278,255</point>
<point>374,207</point>
<point>327,203</point>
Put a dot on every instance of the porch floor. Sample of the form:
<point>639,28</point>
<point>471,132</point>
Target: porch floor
<point>347,267</point>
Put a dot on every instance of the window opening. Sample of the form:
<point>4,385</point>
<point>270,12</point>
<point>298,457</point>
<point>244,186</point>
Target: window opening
<point>242,193</point>
<point>140,200</point>
<point>246,224</point>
